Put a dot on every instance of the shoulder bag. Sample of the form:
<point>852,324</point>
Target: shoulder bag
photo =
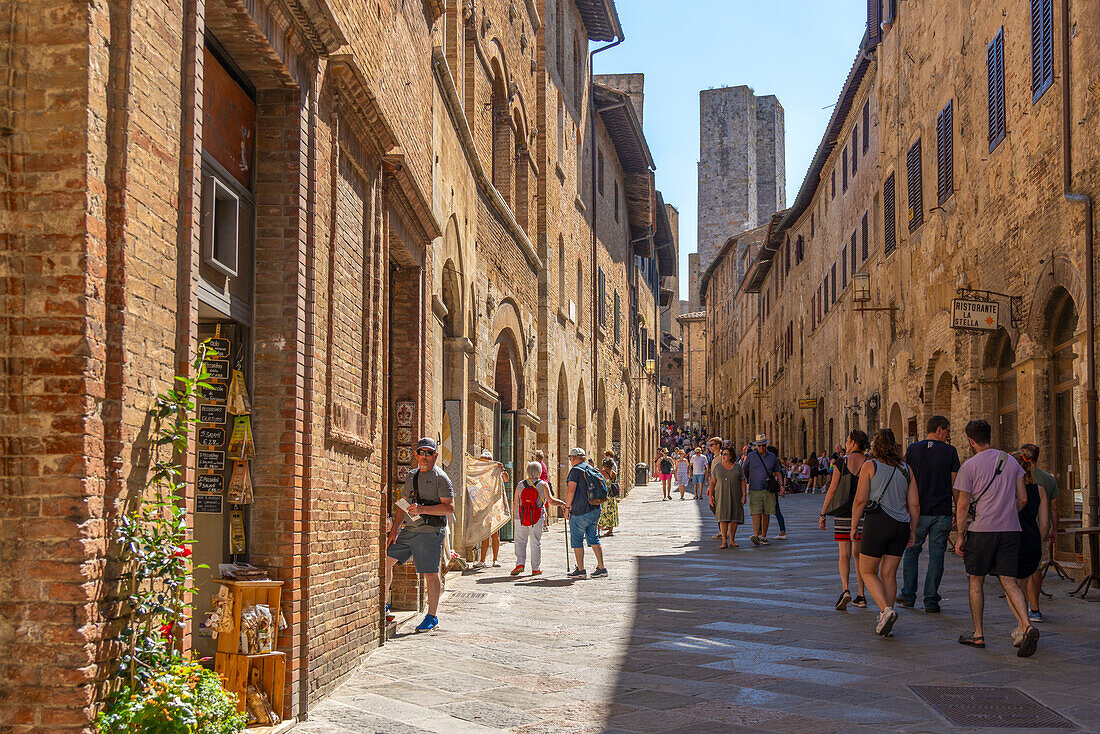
<point>772,484</point>
<point>841,503</point>
<point>974,500</point>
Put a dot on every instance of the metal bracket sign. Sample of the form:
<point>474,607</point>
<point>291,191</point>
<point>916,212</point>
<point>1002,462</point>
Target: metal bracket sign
<point>982,312</point>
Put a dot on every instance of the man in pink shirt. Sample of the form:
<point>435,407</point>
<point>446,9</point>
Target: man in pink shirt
<point>993,482</point>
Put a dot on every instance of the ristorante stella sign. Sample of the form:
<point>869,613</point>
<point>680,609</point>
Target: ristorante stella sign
<point>975,315</point>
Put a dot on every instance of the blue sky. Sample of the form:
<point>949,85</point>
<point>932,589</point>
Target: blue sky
<point>798,50</point>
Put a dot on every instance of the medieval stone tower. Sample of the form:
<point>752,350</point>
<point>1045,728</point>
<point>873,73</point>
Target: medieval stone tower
<point>742,177</point>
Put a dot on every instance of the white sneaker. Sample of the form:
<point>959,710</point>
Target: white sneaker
<point>782,536</point>
<point>886,622</point>
<point>479,565</point>
<point>496,564</point>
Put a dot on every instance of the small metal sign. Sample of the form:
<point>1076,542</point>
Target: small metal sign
<point>210,483</point>
<point>215,391</point>
<point>211,460</point>
<point>218,369</point>
<point>212,414</point>
<point>974,315</point>
<point>218,347</point>
<point>211,436</point>
<point>807,404</point>
<point>208,504</point>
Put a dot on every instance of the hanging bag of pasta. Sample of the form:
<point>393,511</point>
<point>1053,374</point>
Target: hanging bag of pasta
<point>237,538</point>
<point>241,446</point>
<point>238,396</point>
<point>240,484</point>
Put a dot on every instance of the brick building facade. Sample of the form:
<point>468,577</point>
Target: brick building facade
<point>376,228</point>
<point>943,174</point>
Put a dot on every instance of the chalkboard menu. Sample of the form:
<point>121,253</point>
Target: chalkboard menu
<point>215,391</point>
<point>218,347</point>
<point>210,483</point>
<point>208,504</point>
<point>211,460</point>
<point>212,414</point>
<point>211,436</point>
<point>218,369</point>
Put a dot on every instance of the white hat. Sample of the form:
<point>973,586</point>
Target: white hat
<point>578,451</point>
<point>761,439</point>
<point>487,454</point>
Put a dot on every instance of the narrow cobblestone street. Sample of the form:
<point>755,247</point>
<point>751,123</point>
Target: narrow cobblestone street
<point>684,637</point>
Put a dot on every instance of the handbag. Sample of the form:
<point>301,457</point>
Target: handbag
<point>841,503</point>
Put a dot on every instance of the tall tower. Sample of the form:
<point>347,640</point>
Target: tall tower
<point>742,176</point>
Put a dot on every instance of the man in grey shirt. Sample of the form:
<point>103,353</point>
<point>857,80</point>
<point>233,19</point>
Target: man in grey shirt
<point>430,498</point>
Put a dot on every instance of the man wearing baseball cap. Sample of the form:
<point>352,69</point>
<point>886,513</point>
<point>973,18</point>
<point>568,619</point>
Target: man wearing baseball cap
<point>583,517</point>
<point>430,499</point>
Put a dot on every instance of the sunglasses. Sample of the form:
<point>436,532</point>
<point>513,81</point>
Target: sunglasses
<point>425,452</point>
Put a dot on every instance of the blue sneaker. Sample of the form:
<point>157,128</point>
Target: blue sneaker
<point>389,617</point>
<point>429,623</point>
<point>577,573</point>
<point>1034,615</point>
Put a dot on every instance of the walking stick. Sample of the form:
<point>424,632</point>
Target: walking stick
<point>567,569</point>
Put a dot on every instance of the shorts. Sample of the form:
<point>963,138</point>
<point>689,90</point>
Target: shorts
<point>1029,557</point>
<point>842,529</point>
<point>992,554</point>
<point>883,536</point>
<point>761,502</point>
<point>699,479</point>
<point>582,527</point>
<point>664,477</point>
<point>426,549</point>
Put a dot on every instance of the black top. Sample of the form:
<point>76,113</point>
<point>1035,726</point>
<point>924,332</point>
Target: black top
<point>1029,518</point>
<point>932,463</point>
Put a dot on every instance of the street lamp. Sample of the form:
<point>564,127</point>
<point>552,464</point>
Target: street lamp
<point>650,367</point>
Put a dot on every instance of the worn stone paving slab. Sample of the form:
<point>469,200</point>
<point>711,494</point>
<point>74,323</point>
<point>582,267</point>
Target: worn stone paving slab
<point>684,637</point>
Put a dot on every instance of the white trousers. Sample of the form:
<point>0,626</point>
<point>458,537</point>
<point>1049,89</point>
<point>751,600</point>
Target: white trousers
<point>532,533</point>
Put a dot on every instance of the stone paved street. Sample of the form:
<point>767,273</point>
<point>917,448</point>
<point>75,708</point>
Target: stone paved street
<point>684,637</point>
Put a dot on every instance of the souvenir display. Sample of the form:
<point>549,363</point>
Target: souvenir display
<point>238,396</point>
<point>240,485</point>
<point>258,630</point>
<point>241,446</point>
<point>237,542</point>
<point>259,707</point>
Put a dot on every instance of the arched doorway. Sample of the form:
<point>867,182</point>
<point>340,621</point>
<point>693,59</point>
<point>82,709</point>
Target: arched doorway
<point>1064,409</point>
<point>999,360</point>
<point>896,424</point>
<point>617,438</point>
<point>941,400</point>
<point>506,383</point>
<point>804,446</point>
<point>563,431</point>
<point>582,420</point>
<point>601,418</point>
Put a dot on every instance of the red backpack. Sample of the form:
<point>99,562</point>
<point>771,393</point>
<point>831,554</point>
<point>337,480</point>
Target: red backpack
<point>529,510</point>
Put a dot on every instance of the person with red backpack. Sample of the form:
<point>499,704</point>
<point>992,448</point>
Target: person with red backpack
<point>530,499</point>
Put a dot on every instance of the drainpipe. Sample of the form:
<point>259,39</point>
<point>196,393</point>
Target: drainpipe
<point>1090,284</point>
<point>593,111</point>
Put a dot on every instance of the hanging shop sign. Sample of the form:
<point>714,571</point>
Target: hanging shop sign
<point>211,460</point>
<point>210,483</point>
<point>217,348</point>
<point>211,436</point>
<point>208,504</point>
<point>974,315</point>
<point>212,414</point>
<point>218,369</point>
<point>807,404</point>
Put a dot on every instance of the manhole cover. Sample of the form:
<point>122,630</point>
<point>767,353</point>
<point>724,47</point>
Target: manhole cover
<point>467,595</point>
<point>1001,708</point>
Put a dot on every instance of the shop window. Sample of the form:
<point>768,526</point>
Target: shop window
<point>220,226</point>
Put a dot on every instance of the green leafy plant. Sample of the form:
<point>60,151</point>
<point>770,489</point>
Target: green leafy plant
<point>156,685</point>
<point>184,699</point>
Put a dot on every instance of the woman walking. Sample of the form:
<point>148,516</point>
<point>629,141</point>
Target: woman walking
<point>815,471</point>
<point>683,472</point>
<point>846,474</point>
<point>529,502</point>
<point>1034,524</point>
<point>888,491</point>
<point>609,512</point>
<point>728,492</point>
<point>662,467</point>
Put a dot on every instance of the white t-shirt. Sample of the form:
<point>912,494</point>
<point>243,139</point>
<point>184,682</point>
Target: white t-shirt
<point>699,464</point>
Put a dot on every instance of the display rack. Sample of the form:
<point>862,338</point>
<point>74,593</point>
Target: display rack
<point>265,669</point>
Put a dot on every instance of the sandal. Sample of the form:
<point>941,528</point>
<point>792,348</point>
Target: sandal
<point>972,640</point>
<point>723,547</point>
<point>1029,643</point>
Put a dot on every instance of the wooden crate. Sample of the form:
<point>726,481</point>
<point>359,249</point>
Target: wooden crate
<point>266,669</point>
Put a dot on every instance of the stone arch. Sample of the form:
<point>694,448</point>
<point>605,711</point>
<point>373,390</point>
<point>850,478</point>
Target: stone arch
<point>451,292</point>
<point>601,417</point>
<point>507,316</point>
<point>617,437</point>
<point>582,418</point>
<point>507,379</point>
<point>896,422</point>
<point>942,395</point>
<point>1062,276</point>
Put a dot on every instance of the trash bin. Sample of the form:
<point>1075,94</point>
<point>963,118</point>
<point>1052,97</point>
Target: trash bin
<point>641,474</point>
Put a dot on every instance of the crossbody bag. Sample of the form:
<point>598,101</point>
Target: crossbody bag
<point>974,500</point>
<point>772,484</point>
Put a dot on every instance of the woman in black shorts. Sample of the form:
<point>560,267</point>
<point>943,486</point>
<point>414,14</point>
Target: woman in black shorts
<point>847,542</point>
<point>888,492</point>
<point>1034,524</point>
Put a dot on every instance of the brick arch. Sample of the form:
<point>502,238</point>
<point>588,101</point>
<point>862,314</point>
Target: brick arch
<point>1063,274</point>
<point>507,316</point>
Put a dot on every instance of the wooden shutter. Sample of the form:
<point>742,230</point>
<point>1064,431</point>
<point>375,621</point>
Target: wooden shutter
<point>601,287</point>
<point>844,170</point>
<point>874,22</point>
<point>866,126</point>
<point>844,268</point>
<point>1042,47</point>
<point>832,282</point>
<point>945,154</point>
<point>853,248</point>
<point>913,185</point>
<point>866,233</point>
<point>889,232</point>
<point>995,76</point>
<point>855,149</point>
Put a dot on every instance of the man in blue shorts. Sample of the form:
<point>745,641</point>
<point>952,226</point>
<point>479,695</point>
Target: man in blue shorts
<point>583,517</point>
<point>430,499</point>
